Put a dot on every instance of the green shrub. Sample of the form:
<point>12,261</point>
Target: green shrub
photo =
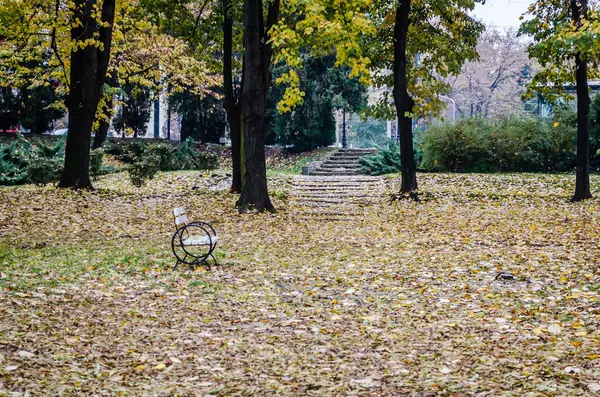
<point>49,150</point>
<point>453,146</point>
<point>14,158</point>
<point>119,149</point>
<point>386,161</point>
<point>12,174</point>
<point>165,154</point>
<point>501,145</point>
<point>558,147</point>
<point>46,163</point>
<point>96,162</point>
<point>170,157</point>
<point>44,170</point>
<point>189,159</point>
<point>143,170</point>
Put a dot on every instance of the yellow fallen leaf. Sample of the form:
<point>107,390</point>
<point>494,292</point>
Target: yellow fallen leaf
<point>538,331</point>
<point>140,367</point>
<point>160,367</point>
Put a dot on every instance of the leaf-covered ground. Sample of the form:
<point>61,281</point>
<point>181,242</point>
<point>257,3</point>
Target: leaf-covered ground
<point>399,301</point>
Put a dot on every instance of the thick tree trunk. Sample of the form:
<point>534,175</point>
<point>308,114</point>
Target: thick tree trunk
<point>257,60</point>
<point>582,180</point>
<point>87,76</point>
<point>402,99</point>
<point>231,103</point>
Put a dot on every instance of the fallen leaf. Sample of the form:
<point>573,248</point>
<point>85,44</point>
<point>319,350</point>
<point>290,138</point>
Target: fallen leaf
<point>554,329</point>
<point>26,354</point>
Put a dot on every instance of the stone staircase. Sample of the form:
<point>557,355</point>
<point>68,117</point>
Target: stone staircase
<point>343,162</point>
<point>335,198</point>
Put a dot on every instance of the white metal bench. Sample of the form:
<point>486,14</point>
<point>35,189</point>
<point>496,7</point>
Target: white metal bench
<point>193,242</point>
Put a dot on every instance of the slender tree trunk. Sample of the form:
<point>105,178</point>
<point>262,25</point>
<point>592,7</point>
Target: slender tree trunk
<point>236,145</point>
<point>104,126</point>
<point>231,103</point>
<point>257,60</point>
<point>88,73</point>
<point>579,9</point>
<point>402,99</point>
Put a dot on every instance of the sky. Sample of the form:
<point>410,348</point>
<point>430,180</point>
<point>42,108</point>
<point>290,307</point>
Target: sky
<point>502,13</point>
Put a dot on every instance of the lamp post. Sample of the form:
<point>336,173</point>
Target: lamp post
<point>453,105</point>
<point>344,137</point>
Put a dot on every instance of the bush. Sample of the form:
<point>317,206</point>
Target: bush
<point>50,151</point>
<point>96,162</point>
<point>511,144</point>
<point>11,174</point>
<point>169,157</point>
<point>453,146</point>
<point>143,170</point>
<point>165,155</point>
<point>46,163</point>
<point>44,170</point>
<point>14,158</point>
<point>386,161</point>
<point>188,159</point>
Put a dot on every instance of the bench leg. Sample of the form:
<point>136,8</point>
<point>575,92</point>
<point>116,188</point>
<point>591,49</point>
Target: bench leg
<point>180,261</point>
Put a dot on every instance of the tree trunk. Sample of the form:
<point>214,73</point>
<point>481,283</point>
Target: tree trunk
<point>231,103</point>
<point>579,9</point>
<point>87,76</point>
<point>257,60</point>
<point>402,99</point>
<point>104,126</point>
<point>234,117</point>
<point>102,131</point>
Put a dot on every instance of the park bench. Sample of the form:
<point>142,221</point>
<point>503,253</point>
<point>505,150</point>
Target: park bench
<point>193,242</point>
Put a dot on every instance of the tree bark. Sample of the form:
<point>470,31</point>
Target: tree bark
<point>103,126</point>
<point>257,60</point>
<point>231,103</point>
<point>87,75</point>
<point>402,99</point>
<point>579,9</point>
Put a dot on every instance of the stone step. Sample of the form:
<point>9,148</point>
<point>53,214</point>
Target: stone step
<point>322,205</point>
<point>319,200</point>
<point>333,172</point>
<point>355,150</point>
<point>344,157</point>
<point>311,218</point>
<point>325,188</point>
<point>334,197</point>
<point>341,162</point>
<point>349,188</point>
<point>335,182</point>
<point>360,178</point>
<point>328,213</point>
<point>338,181</point>
<point>348,166</point>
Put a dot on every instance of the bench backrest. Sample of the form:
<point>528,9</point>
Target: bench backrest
<point>180,217</point>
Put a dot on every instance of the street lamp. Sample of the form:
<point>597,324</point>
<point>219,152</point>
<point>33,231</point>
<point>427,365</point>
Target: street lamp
<point>453,105</point>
